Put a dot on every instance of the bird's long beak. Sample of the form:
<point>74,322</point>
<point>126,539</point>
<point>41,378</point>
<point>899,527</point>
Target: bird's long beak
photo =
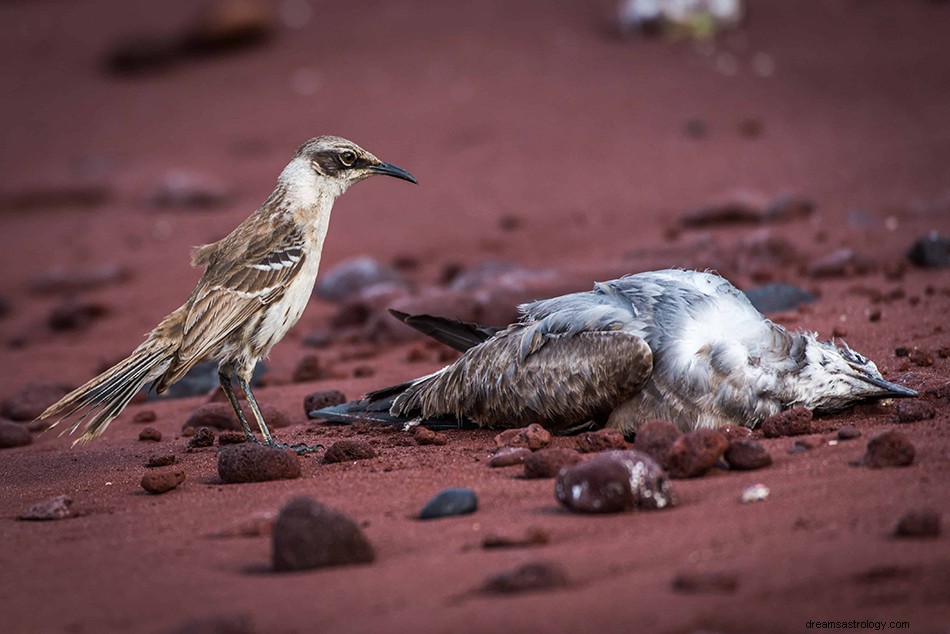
<point>890,390</point>
<point>392,170</point>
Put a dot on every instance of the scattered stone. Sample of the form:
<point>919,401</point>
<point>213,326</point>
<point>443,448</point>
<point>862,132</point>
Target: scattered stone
<point>532,437</point>
<point>792,422</point>
<point>763,253</point>
<point>706,582</point>
<point>848,433</point>
<point>914,410</point>
<point>742,210</point>
<point>919,523</point>
<point>449,502</point>
<point>32,399</point>
<point>601,440</point>
<point>145,416</point>
<point>533,536</point>
<point>930,251</point>
<point>889,449</point>
<point>203,379</point>
<point>655,438</point>
<point>843,262</point>
<point>920,358</point>
<point>56,508</point>
<point>150,433</point>
<point>75,314</point>
<point>161,460</point>
<point>309,535</point>
<point>254,462</point>
<point>352,276</point>
<point>789,207</point>
<point>531,577</point>
<point>14,435</point>
<point>745,454</point>
<point>216,624</point>
<point>348,450</point>
<point>189,190</point>
<point>222,416</point>
<point>695,453</point>
<point>66,281</point>
<point>754,493</point>
<point>508,457</point>
<point>614,481</point>
<point>224,26</point>
<point>163,480</point>
<point>311,367</point>
<point>771,298</point>
<point>324,398</point>
<point>733,432</point>
<point>229,437</point>
<point>805,444</point>
<point>546,463</point>
<point>425,436</point>
<point>204,437</point>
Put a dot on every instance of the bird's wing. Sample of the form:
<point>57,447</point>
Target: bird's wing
<point>232,289</point>
<point>460,335</point>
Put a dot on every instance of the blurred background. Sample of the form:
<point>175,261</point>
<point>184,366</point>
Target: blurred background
<point>545,134</point>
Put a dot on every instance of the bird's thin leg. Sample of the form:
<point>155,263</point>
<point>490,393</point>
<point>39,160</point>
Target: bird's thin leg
<point>225,380</point>
<point>300,448</point>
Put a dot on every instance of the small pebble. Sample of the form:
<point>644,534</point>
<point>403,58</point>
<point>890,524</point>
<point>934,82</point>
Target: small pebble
<point>309,535</point>
<point>531,577</point>
<point>254,462</point>
<point>889,449</point>
<point>449,502</point>
<point>150,433</point>
<point>533,437</point>
<point>746,454</point>
<point>222,416</point>
<point>546,463</point>
<point>348,450</point>
<point>162,481</point>
<point>311,367</point>
<point>508,457</point>
<point>793,422</point>
<point>56,508</point>
<point>231,438</point>
<point>203,437</point>
<point>614,481</point>
<point>533,536</point>
<point>706,582</point>
<point>425,436</point>
<point>930,251</point>
<point>144,416</point>
<point>324,398</point>
<point>914,410</point>
<point>601,440</point>
<point>14,435</point>
<point>754,493</point>
<point>31,399</point>
<point>655,438</point>
<point>848,433</point>
<point>919,523</point>
<point>161,460</point>
<point>695,453</point>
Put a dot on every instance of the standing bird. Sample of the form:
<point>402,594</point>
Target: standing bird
<point>256,284</point>
<point>683,346</point>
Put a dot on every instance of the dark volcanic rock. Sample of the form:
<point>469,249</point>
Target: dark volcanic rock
<point>792,422</point>
<point>163,480</point>
<point>848,433</point>
<point>32,399</point>
<point>145,416</point>
<point>532,577</point>
<point>770,298</point>
<point>733,432</point>
<point>449,502</point>
<point>187,189</point>
<point>152,434</point>
<point>228,437</point>
<point>309,535</point>
<point>225,26</point>
<point>14,435</point>
<point>614,481</point>
<point>508,456</point>
<point>222,416</point>
<point>532,437</point>
<point>162,460</point>
<point>746,454</point>
<point>56,508</point>
<point>203,437</point>
<point>348,450</point>
<point>843,262</point>
<point>533,536</point>
<point>655,438</point>
<point>253,462</point>
<point>545,463</point>
<point>930,251</point>
<point>601,440</point>
<point>352,276</point>
<point>425,436</point>
<point>914,410</point>
<point>696,452</point>
<point>321,399</point>
<point>889,449</point>
<point>706,582</point>
<point>919,523</point>
<point>75,314</point>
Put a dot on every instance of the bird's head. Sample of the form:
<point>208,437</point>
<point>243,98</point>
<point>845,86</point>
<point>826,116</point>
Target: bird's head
<point>835,377</point>
<point>335,162</point>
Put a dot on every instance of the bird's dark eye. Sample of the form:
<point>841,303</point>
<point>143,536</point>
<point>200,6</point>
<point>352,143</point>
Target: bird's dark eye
<point>348,157</point>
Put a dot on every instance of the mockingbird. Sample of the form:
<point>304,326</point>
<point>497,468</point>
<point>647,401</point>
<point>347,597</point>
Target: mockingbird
<point>683,346</point>
<point>257,282</point>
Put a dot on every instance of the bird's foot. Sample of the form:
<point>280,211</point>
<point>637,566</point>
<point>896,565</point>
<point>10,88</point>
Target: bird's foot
<point>299,448</point>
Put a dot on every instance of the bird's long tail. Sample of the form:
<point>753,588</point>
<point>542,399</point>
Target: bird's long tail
<point>103,398</point>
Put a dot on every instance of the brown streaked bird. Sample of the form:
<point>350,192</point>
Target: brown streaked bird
<point>683,346</point>
<point>256,283</point>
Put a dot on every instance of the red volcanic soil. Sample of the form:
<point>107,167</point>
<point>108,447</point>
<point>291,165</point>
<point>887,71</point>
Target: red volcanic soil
<point>538,137</point>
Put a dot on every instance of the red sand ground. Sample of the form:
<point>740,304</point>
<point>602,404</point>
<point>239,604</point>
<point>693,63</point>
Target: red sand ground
<point>532,110</point>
